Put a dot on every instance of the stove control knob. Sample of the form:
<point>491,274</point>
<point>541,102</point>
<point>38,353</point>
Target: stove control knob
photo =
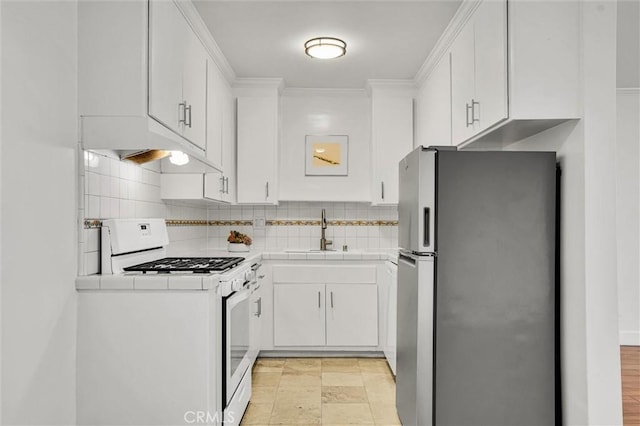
<point>248,275</point>
<point>236,284</point>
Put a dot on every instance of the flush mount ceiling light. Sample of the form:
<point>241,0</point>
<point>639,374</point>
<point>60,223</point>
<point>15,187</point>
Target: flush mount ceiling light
<point>325,47</point>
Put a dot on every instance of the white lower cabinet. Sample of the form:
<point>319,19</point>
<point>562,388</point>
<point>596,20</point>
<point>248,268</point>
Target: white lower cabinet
<point>352,314</point>
<point>255,322</point>
<point>390,313</point>
<point>299,314</point>
<point>325,306</point>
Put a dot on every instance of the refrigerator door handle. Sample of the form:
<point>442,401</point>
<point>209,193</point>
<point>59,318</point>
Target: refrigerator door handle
<point>427,219</point>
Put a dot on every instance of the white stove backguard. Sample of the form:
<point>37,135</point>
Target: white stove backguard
<point>127,242</point>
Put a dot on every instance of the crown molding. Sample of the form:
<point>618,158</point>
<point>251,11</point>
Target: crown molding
<point>202,31</point>
<point>258,83</point>
<point>303,92</point>
<point>445,41</point>
<point>391,86</point>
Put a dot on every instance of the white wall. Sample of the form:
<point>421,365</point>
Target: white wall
<point>314,112</point>
<point>586,152</point>
<point>627,211</point>
<point>39,238</point>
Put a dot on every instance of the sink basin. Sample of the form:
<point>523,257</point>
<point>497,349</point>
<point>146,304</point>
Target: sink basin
<point>307,251</point>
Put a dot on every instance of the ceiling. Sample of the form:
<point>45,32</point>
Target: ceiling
<point>385,39</point>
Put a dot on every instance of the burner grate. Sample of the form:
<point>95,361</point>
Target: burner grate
<point>187,264</point>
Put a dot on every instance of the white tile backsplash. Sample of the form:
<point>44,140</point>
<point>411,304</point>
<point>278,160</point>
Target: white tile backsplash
<point>120,189</point>
<point>277,237</point>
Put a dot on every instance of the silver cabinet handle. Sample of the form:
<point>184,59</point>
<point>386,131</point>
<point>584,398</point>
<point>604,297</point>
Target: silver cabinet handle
<point>468,107</point>
<point>187,109</point>
<point>473,111</point>
<point>182,112</point>
<point>259,303</point>
<point>226,185</point>
<point>331,300</point>
<point>266,190</point>
<point>318,299</point>
<point>260,277</point>
<point>382,189</point>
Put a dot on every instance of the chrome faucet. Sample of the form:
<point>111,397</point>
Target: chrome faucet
<point>323,240</point>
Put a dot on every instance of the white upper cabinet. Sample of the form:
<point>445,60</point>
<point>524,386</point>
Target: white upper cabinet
<point>257,121</point>
<point>177,73</point>
<point>391,138</point>
<point>215,95</point>
<point>513,68</point>
<point>478,72</point>
<point>433,116</point>
<point>142,76</point>
<point>168,35</point>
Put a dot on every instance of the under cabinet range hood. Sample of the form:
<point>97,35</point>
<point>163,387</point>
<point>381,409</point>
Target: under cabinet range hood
<point>124,105</point>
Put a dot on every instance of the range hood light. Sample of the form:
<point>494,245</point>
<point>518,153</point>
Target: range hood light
<point>179,158</point>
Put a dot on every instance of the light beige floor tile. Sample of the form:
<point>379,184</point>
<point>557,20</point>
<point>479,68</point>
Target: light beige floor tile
<point>257,414</point>
<point>378,379</point>
<point>310,394</point>
<point>300,412</point>
<point>340,365</point>
<point>297,365</point>
<point>381,394</point>
<point>342,379</point>
<point>265,379</point>
<point>384,414</point>
<point>374,365</point>
<point>344,394</point>
<point>349,413</point>
<point>271,362</point>
<point>263,394</point>
<point>300,379</point>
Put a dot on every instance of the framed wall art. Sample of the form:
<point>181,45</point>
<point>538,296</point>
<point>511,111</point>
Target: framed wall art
<point>327,155</point>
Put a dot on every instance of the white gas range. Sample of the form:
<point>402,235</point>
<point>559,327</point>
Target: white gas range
<point>163,338</point>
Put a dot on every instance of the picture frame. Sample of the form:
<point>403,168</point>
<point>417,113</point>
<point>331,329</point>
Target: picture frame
<point>326,155</point>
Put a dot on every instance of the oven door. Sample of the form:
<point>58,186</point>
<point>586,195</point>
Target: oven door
<point>236,340</point>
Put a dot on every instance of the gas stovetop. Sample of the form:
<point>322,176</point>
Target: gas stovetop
<point>202,265</point>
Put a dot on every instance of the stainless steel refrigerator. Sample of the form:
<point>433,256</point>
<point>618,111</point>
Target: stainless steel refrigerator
<point>477,288</point>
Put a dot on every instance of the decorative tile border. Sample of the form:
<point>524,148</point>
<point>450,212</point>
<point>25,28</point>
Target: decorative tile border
<point>97,223</point>
<point>332,222</point>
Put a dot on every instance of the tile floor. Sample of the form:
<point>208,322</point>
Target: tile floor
<point>327,391</point>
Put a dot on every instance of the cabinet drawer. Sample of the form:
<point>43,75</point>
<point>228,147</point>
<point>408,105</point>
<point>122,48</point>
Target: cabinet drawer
<point>324,274</point>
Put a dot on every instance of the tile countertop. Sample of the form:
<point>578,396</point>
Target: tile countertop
<point>210,281</point>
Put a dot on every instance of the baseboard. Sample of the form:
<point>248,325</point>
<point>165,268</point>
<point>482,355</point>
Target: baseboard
<point>630,338</point>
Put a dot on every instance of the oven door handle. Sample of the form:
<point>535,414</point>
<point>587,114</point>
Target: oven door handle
<point>237,298</point>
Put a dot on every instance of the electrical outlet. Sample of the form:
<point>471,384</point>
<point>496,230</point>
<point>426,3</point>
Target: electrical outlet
<point>259,223</point>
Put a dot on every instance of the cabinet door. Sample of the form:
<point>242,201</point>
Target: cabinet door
<point>229,142</point>
<point>194,89</point>
<point>462,84</point>
<point>167,37</point>
<point>298,315</point>
<point>392,317</point>
<point>255,323</point>
<point>436,106</point>
<point>257,132</point>
<point>214,114</point>
<point>392,137</point>
<point>214,186</point>
<point>490,27</point>
<point>352,314</point>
